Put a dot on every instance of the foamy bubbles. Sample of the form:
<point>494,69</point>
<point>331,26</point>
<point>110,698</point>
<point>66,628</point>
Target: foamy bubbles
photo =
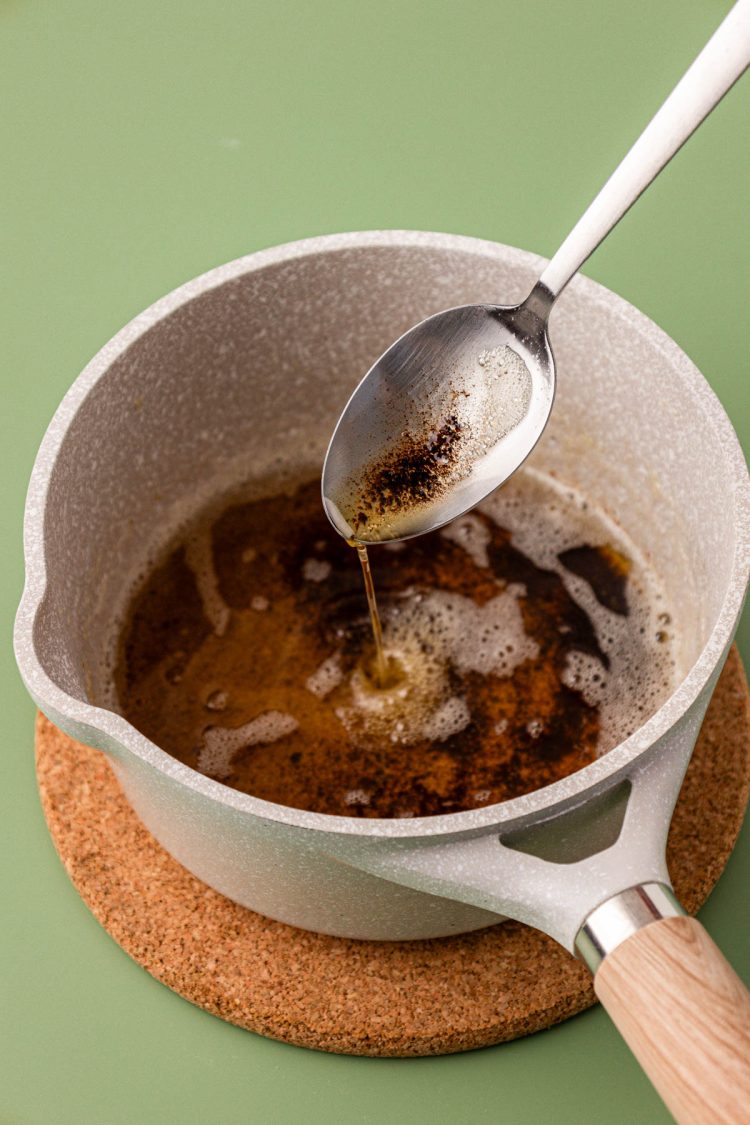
<point>220,744</point>
<point>357,797</point>
<point>499,394</point>
<point>315,570</point>
<point>586,675</point>
<point>217,701</point>
<point>397,713</point>
<point>199,557</point>
<point>489,639</point>
<point>431,636</point>
<point>546,519</point>
<point>326,677</point>
<point>472,535</point>
<point>450,718</point>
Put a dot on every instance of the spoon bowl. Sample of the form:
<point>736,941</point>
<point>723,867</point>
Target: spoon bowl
<point>446,414</point>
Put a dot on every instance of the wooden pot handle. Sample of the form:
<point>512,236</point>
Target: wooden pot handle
<point>685,1014</point>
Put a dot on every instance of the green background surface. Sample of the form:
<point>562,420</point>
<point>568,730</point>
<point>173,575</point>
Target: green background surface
<point>143,143</point>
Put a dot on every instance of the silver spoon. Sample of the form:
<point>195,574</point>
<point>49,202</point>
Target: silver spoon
<point>455,406</point>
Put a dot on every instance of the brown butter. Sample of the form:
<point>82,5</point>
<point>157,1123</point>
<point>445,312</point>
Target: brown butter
<point>172,664</point>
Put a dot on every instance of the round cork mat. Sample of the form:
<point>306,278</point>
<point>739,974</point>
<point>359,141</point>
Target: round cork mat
<point>359,997</point>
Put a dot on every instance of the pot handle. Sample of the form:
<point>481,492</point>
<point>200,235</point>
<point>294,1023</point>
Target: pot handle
<point>685,1014</point>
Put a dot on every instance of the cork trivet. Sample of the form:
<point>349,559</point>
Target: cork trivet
<point>359,997</point>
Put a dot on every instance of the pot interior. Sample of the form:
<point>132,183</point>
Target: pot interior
<point>249,376</point>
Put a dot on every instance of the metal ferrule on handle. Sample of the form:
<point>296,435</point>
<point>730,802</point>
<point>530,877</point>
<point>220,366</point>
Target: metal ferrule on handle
<point>620,917</point>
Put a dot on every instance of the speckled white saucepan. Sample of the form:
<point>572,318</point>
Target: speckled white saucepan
<point>249,365</point>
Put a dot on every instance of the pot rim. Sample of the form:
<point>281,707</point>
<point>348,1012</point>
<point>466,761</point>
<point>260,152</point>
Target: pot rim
<point>108,730</point>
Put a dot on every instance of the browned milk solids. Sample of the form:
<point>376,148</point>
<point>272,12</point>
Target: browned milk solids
<point>522,641</point>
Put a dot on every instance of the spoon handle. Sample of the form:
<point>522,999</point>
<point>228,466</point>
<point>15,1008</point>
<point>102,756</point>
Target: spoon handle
<point>716,69</point>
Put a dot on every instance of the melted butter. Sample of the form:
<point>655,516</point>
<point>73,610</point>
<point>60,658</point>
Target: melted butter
<point>515,646</point>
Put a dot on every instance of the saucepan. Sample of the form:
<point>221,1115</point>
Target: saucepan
<point>246,369</point>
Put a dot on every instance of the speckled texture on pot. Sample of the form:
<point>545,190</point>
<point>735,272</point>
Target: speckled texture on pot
<point>244,370</point>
